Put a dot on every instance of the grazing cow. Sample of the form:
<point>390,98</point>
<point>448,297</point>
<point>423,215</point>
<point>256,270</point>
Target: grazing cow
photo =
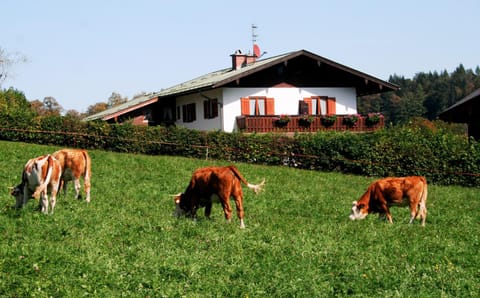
<point>40,177</point>
<point>383,193</point>
<point>75,163</point>
<point>220,181</point>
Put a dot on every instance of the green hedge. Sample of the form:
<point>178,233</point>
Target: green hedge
<point>443,157</point>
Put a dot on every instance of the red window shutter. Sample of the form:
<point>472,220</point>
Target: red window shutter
<point>269,106</point>
<point>245,105</point>
<point>331,106</point>
<point>308,100</point>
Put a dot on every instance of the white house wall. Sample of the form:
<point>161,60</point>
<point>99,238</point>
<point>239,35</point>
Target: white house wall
<point>201,123</point>
<point>286,102</point>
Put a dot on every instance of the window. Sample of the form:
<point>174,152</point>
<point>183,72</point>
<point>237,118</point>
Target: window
<point>320,105</point>
<point>167,114</point>
<point>210,108</point>
<point>147,113</point>
<point>178,113</point>
<point>188,112</point>
<point>257,106</point>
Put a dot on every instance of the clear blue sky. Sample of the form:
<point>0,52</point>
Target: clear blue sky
<point>80,52</point>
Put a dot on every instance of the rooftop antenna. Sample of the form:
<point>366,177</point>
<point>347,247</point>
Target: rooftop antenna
<point>254,35</point>
<point>256,48</point>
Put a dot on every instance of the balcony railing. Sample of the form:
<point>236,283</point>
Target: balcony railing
<point>311,123</point>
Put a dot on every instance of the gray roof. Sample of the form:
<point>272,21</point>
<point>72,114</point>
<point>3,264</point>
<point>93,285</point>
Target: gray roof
<point>222,77</point>
<point>124,106</point>
<point>208,80</point>
<point>469,97</point>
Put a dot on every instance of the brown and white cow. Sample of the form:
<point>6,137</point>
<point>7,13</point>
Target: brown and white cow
<point>223,182</point>
<point>397,191</point>
<point>75,163</point>
<point>40,177</point>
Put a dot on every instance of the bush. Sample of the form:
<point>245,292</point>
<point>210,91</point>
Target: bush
<point>421,148</point>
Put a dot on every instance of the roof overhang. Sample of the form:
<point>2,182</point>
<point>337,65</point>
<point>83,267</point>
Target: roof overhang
<point>463,111</point>
<point>131,108</point>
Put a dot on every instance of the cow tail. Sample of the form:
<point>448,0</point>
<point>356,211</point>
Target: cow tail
<point>423,201</point>
<point>88,169</point>
<point>43,186</point>
<point>255,187</point>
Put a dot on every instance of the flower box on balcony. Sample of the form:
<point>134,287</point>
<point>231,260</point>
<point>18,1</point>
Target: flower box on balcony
<point>373,119</point>
<point>328,120</point>
<point>306,120</point>
<point>282,121</point>
<point>350,120</point>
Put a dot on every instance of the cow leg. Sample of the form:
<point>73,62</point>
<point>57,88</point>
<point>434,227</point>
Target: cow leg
<point>76,182</point>
<point>26,196</point>
<point>86,185</point>
<point>63,186</point>
<point>388,214</point>
<point>227,210</point>
<point>53,201</point>
<point>208,210</point>
<point>420,213</point>
<point>413,212</point>
<point>44,202</point>
<point>194,214</point>
<point>53,198</point>
<point>193,208</point>
<point>240,213</point>
<point>238,197</point>
<point>423,212</point>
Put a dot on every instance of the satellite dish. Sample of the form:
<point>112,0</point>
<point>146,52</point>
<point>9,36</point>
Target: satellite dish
<point>256,50</point>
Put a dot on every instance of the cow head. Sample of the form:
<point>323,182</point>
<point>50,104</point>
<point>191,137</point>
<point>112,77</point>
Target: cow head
<point>359,211</point>
<point>17,192</point>
<point>181,207</point>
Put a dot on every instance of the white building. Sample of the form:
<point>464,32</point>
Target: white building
<point>295,83</point>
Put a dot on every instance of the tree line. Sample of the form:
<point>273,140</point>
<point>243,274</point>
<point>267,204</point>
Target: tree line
<point>425,95</point>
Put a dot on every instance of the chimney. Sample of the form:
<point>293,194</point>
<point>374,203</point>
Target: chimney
<point>240,60</point>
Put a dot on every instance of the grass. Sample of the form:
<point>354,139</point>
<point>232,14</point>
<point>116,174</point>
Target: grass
<point>298,242</point>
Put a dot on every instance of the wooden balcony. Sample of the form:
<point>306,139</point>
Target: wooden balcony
<point>297,123</point>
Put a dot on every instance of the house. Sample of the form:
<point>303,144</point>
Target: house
<point>252,93</point>
<point>466,110</point>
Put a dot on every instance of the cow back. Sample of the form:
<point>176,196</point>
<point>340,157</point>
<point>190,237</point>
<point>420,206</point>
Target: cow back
<point>74,162</point>
<point>205,182</point>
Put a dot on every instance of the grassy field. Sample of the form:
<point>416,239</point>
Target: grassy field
<point>298,242</point>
